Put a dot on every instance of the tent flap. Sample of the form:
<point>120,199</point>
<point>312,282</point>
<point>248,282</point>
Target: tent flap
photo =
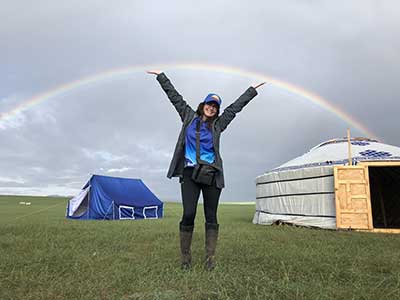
<point>76,205</point>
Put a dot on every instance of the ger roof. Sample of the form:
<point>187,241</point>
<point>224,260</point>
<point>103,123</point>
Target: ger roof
<point>335,152</point>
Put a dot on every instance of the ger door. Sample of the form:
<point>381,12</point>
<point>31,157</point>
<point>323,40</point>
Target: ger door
<point>352,197</point>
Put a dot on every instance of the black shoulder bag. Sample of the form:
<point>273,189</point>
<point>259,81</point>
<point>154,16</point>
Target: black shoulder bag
<point>203,172</point>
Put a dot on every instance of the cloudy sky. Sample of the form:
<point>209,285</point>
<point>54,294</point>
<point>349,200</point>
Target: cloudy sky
<point>344,51</point>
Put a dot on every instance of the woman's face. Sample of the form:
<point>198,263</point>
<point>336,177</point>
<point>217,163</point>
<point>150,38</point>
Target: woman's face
<point>210,109</point>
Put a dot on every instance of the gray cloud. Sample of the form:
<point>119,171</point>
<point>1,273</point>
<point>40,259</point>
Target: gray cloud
<point>347,52</point>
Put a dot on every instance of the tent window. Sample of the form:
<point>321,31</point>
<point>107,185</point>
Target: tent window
<point>150,212</point>
<point>385,196</point>
<point>126,212</point>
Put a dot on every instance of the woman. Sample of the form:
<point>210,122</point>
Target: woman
<point>198,144</point>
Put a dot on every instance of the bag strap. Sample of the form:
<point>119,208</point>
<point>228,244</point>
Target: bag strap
<point>198,141</point>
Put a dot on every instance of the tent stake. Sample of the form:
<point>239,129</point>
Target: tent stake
<point>349,146</point>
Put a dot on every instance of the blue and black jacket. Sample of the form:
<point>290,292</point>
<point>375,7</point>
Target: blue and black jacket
<point>187,115</point>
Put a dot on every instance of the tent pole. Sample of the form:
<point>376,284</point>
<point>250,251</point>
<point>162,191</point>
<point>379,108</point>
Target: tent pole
<point>87,216</point>
<point>349,146</point>
<point>382,203</point>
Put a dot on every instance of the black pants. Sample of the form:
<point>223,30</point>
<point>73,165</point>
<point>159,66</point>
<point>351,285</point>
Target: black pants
<point>190,196</point>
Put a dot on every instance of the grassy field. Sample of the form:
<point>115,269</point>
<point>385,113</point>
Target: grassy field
<point>45,256</point>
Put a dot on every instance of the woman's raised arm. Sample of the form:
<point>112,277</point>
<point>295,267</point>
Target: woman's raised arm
<point>176,99</point>
<point>230,112</point>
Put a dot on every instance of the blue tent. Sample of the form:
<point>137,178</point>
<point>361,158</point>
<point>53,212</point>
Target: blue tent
<point>113,198</point>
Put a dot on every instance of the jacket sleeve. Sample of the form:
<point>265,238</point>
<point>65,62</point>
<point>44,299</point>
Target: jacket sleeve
<point>230,112</point>
<point>176,99</point>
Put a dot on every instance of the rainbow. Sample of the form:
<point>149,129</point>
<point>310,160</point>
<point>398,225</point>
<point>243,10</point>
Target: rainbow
<point>110,74</point>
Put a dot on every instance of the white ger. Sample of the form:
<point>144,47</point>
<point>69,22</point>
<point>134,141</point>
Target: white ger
<point>321,189</point>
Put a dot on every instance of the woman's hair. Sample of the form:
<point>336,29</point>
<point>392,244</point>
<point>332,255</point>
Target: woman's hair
<point>200,112</point>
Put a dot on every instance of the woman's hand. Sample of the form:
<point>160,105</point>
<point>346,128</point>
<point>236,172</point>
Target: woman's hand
<point>258,85</point>
<point>154,72</point>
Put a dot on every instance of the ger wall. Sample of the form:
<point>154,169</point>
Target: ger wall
<point>304,197</point>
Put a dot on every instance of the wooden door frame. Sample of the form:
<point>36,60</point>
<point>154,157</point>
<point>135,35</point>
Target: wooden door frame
<point>379,163</point>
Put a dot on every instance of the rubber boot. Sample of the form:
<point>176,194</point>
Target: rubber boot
<point>185,234</point>
<point>211,245</point>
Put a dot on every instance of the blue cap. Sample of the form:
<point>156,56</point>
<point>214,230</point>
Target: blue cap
<point>213,98</point>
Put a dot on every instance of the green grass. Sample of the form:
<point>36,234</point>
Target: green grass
<point>45,256</point>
